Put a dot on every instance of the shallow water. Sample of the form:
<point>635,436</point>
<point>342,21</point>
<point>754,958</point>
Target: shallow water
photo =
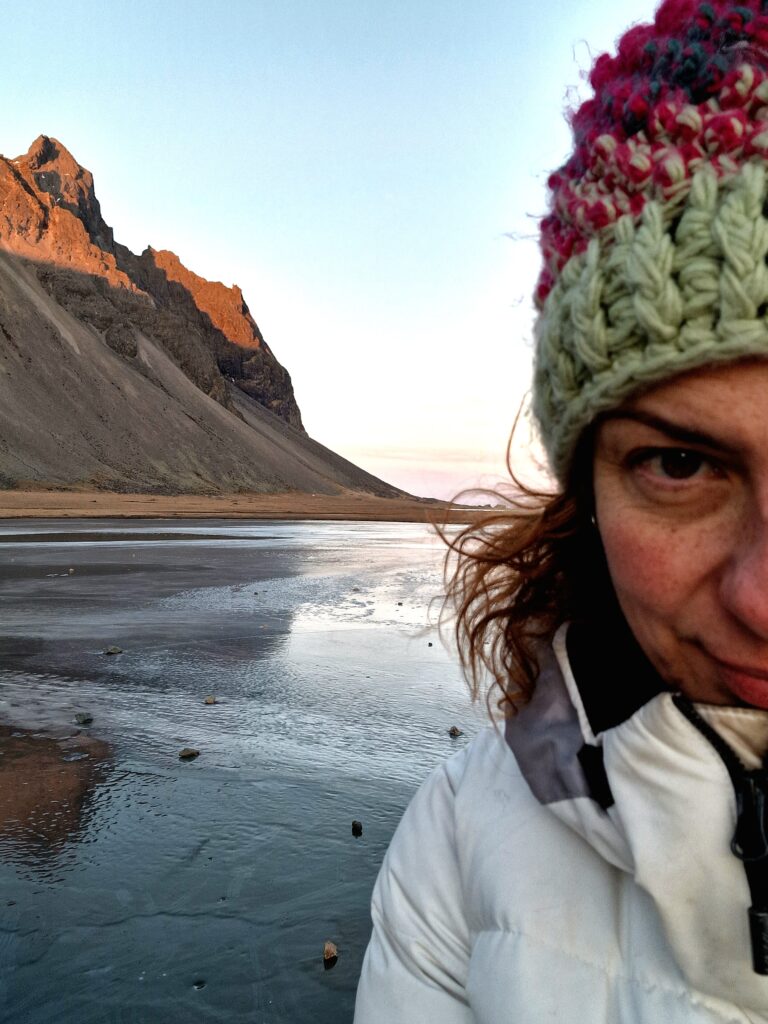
<point>135,887</point>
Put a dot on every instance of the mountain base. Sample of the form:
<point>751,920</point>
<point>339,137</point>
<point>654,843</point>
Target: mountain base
<point>17,504</point>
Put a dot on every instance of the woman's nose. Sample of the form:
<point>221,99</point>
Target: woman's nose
<point>744,582</point>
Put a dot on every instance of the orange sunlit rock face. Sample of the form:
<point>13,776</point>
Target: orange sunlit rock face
<point>225,306</point>
<point>129,373</point>
<point>49,213</point>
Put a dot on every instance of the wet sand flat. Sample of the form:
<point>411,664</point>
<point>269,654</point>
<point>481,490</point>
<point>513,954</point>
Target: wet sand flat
<point>135,885</point>
<point>350,506</point>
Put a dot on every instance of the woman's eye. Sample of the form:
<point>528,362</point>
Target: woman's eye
<point>679,464</point>
<point>675,463</point>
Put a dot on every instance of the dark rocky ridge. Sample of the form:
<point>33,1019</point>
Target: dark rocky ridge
<point>48,203</point>
<point>131,372</point>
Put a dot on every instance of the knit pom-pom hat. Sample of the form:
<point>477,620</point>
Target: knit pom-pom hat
<point>656,241</point>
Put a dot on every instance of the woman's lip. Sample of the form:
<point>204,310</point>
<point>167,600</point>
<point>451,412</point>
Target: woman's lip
<point>742,670</point>
<point>748,684</point>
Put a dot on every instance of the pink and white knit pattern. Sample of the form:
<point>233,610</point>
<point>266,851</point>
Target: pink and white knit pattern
<point>656,244</point>
<point>690,88</point>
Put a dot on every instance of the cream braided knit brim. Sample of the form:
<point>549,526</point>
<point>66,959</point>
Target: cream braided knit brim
<point>683,286</point>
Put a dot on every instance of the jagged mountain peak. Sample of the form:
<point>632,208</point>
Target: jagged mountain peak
<point>46,150</point>
<point>133,372</point>
<point>58,180</point>
<point>49,212</point>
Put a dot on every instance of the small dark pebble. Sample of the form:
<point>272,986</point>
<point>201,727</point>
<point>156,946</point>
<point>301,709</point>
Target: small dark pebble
<point>357,828</point>
<point>455,731</point>
<point>399,604</point>
<point>429,644</point>
<point>200,983</point>
<point>83,718</point>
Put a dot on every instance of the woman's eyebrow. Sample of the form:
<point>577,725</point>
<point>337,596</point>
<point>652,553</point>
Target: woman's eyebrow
<point>674,430</point>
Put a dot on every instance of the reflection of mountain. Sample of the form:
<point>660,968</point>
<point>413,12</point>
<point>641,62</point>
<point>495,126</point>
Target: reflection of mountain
<point>44,790</point>
<point>130,372</point>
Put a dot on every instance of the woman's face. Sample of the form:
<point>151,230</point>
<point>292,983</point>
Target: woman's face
<point>681,493</point>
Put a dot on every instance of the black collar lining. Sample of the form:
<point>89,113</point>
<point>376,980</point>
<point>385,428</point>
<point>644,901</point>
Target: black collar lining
<point>613,675</point>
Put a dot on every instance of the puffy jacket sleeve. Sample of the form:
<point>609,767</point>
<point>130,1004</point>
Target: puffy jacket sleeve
<point>415,968</point>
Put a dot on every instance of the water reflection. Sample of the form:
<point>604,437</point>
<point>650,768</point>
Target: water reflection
<point>127,875</point>
<point>45,790</point>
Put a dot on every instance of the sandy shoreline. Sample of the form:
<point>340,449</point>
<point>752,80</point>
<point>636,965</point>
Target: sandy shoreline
<point>30,504</point>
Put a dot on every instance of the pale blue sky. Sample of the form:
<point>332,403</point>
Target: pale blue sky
<point>356,167</point>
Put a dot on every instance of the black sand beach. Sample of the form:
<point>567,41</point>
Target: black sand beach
<point>135,886</point>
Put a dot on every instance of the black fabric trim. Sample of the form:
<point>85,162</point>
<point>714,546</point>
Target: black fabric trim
<point>613,675</point>
<point>593,766</point>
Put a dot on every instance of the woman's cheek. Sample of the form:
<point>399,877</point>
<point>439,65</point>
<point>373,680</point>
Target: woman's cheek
<point>649,566</point>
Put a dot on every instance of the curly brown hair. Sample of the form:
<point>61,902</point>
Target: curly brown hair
<point>516,574</point>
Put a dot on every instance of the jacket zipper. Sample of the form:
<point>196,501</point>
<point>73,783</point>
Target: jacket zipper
<point>750,839</point>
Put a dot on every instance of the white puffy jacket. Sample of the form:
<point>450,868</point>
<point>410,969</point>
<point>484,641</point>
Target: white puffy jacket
<point>530,881</point>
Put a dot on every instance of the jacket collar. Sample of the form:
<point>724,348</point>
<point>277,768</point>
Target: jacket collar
<point>672,814</point>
